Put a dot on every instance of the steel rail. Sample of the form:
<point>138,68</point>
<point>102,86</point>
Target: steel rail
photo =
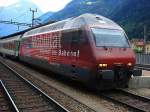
<point>62,92</point>
<point>142,98</point>
<point>35,87</point>
<point>13,105</point>
<point>135,95</point>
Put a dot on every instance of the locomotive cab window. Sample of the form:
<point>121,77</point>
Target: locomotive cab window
<point>110,38</point>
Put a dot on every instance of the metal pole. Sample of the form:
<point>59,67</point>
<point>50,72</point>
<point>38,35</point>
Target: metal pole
<point>33,13</point>
<point>145,36</point>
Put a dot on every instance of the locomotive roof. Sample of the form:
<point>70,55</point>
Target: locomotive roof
<point>76,22</point>
<point>91,19</point>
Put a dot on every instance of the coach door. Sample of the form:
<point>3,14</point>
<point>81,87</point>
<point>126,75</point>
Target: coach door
<point>16,47</point>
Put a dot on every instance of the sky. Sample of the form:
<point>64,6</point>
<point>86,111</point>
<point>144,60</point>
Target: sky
<point>44,5</point>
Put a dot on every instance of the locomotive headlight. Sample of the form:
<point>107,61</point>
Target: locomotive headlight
<point>102,65</point>
<point>129,64</point>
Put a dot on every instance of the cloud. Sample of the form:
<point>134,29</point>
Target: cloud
<point>51,5</point>
<point>44,5</point>
<point>7,2</point>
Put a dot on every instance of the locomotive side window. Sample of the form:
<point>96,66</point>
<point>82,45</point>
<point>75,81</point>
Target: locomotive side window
<point>66,37</point>
<point>76,36</point>
<point>71,37</point>
<point>109,37</point>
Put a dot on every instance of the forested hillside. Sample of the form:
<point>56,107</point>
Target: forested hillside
<point>132,15</point>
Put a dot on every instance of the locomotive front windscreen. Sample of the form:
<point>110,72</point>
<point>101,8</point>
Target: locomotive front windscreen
<point>110,38</point>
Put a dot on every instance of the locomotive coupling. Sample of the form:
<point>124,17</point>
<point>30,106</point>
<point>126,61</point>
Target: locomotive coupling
<point>107,74</point>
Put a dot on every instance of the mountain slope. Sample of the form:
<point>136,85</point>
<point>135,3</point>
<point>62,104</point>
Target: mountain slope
<point>45,17</point>
<point>133,16</point>
<point>18,12</point>
<point>130,14</point>
<point>77,7</point>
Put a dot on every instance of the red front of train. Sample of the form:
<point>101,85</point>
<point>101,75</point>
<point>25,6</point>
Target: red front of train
<point>114,57</point>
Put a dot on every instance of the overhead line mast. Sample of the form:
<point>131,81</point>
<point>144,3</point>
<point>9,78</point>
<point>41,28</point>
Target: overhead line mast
<point>33,14</point>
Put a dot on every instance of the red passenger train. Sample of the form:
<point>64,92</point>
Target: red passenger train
<point>89,48</point>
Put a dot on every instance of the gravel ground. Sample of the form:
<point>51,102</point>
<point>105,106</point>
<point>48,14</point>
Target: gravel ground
<point>24,96</point>
<point>89,98</point>
<point>4,102</point>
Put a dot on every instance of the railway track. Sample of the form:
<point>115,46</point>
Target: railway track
<point>26,96</point>
<point>6,102</point>
<point>135,102</point>
<point>68,102</point>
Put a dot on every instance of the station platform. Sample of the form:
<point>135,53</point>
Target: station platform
<point>140,81</point>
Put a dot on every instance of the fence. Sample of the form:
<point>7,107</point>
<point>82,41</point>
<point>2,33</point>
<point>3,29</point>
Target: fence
<point>142,58</point>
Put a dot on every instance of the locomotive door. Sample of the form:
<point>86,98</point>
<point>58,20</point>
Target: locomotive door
<point>75,51</point>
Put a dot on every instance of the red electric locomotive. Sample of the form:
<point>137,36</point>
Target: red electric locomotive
<point>89,48</point>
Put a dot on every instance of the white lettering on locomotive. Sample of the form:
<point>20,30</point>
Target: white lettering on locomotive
<point>49,44</point>
<point>69,53</point>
